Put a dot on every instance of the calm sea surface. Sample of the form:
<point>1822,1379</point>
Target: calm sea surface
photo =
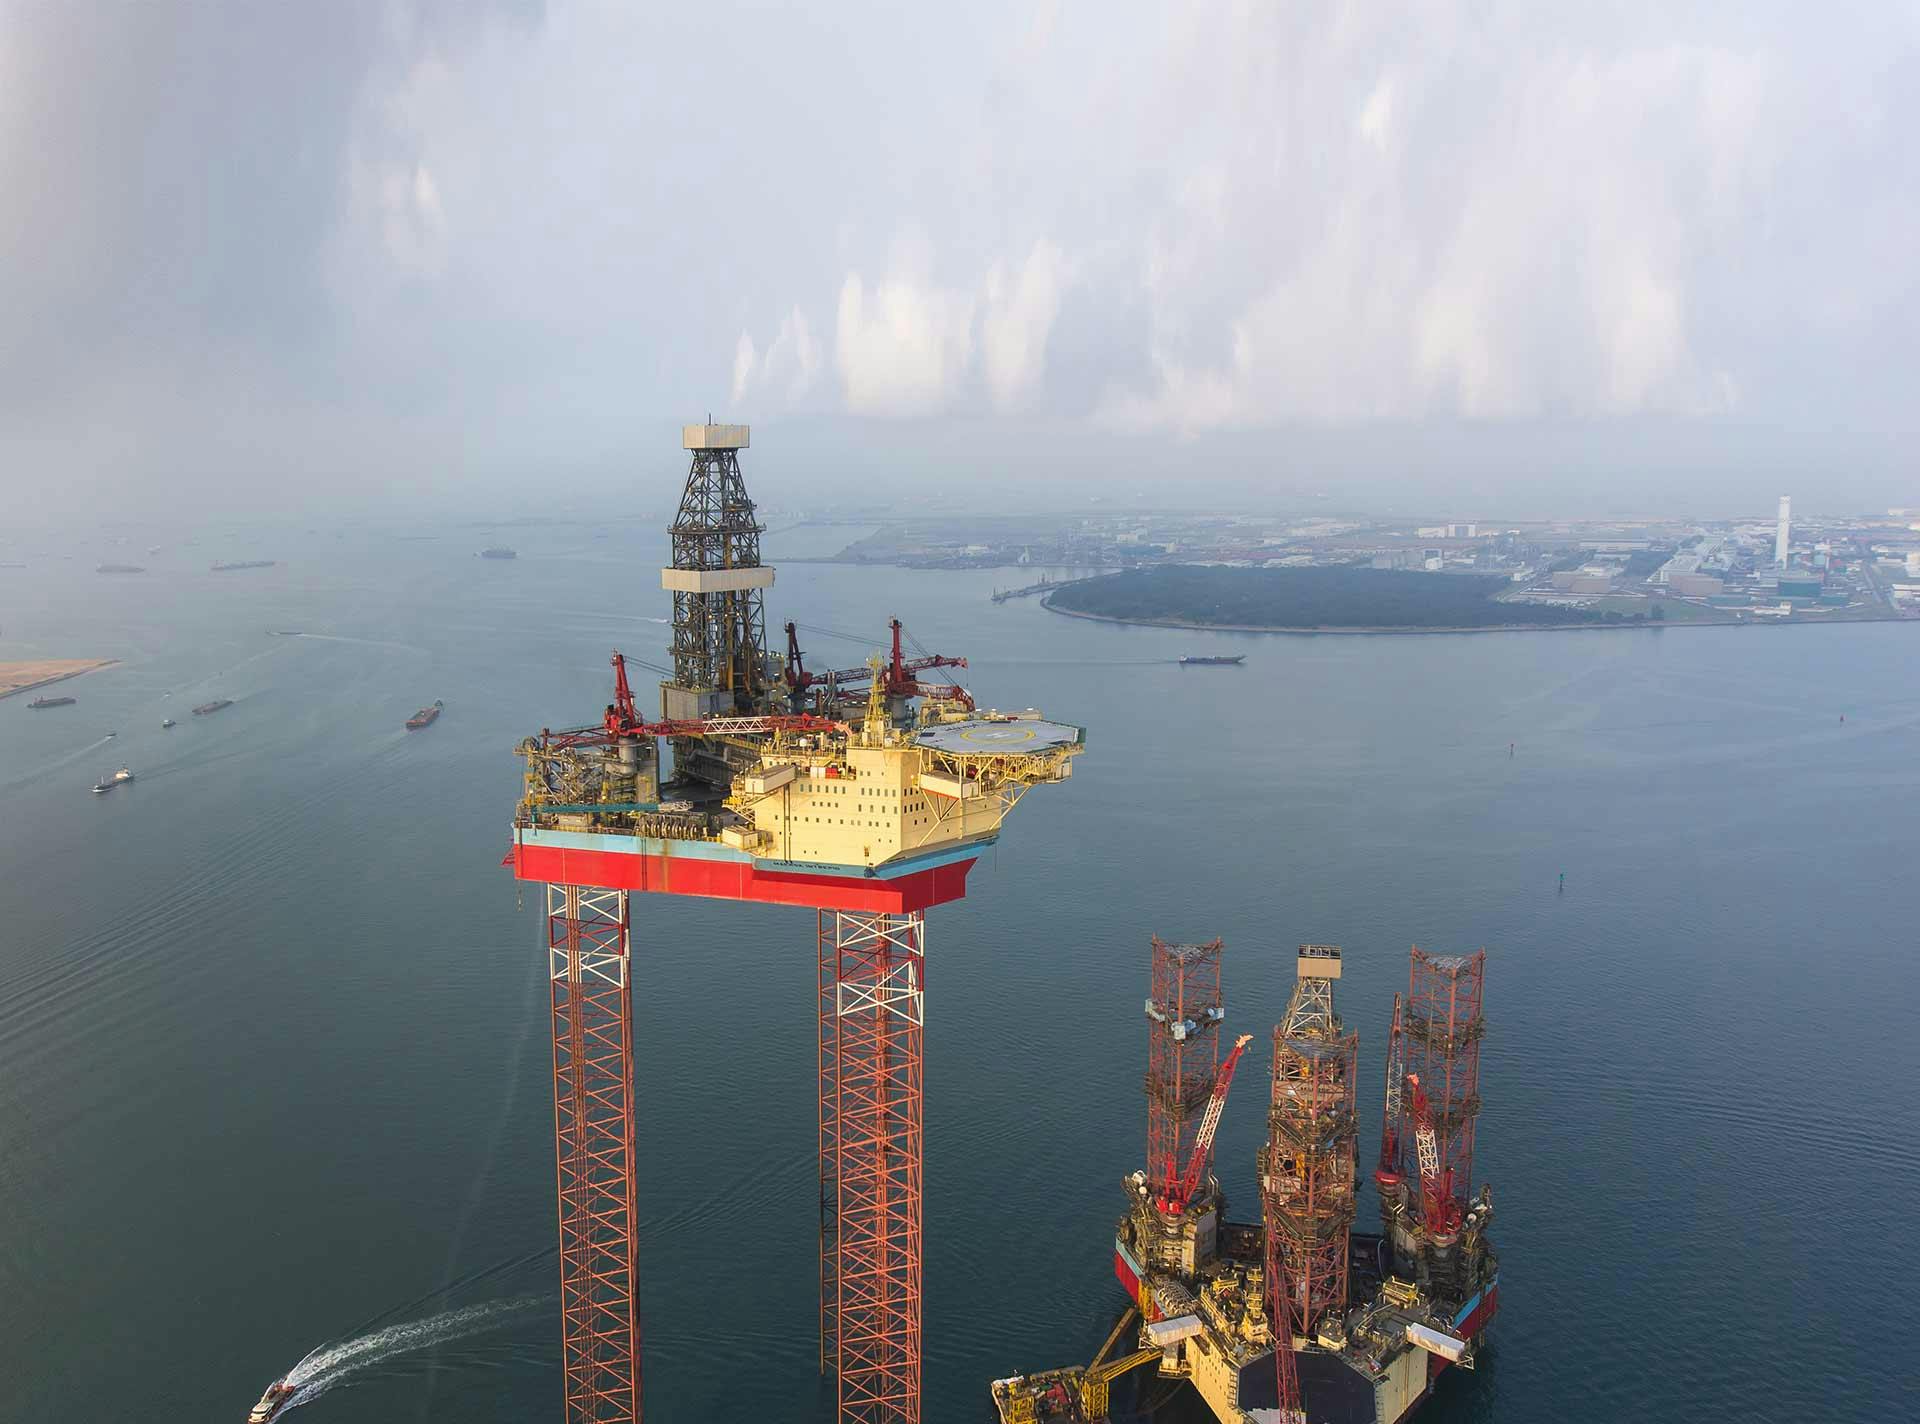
<point>273,1066</point>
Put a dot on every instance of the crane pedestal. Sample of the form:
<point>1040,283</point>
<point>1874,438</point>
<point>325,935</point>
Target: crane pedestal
<point>588,941</point>
<point>872,1010</point>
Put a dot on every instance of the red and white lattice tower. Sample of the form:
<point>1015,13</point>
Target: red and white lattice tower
<point>1183,1054</point>
<point>872,1002</point>
<point>588,962</point>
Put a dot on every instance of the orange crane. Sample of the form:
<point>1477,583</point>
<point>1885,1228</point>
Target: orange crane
<point>1189,1182</point>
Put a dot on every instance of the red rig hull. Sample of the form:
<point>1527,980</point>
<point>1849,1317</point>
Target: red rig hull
<point>656,867</point>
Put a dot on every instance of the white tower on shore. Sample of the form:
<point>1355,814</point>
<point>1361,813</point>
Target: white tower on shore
<point>1780,537</point>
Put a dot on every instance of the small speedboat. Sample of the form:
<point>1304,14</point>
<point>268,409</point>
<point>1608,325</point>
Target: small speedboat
<point>168,723</point>
<point>111,735</point>
<point>272,1402</point>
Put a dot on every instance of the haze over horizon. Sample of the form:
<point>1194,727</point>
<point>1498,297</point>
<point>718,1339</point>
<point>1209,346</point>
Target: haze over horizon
<point>1501,259</point>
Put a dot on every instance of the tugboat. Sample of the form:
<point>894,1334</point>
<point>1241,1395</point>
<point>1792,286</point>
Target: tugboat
<point>124,774</point>
<point>423,718</point>
<point>168,723</point>
<point>272,1402</point>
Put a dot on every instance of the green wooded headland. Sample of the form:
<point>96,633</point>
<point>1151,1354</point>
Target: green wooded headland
<point>1313,597</point>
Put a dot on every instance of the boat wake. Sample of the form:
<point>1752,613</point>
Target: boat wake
<point>333,1364</point>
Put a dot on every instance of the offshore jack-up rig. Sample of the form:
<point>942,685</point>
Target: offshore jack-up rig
<point>1365,1322</point>
<point>865,795</point>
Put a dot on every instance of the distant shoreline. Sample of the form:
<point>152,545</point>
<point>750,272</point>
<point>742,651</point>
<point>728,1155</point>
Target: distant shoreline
<point>49,680</point>
<point>1046,602</point>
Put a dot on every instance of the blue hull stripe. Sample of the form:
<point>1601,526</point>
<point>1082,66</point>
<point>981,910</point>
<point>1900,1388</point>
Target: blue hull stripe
<point>713,850</point>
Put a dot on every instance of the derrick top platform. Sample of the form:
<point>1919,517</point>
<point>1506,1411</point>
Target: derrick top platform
<point>714,437</point>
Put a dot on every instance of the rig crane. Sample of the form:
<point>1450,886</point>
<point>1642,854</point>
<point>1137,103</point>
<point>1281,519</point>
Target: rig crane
<point>1096,1387</point>
<point>623,719</point>
<point>1388,1172</point>
<point>1438,1209</point>
<point>1079,1396</point>
<point>895,676</point>
<point>1189,1181</point>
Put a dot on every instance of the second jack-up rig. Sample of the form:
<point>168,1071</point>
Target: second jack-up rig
<point>1363,1322</point>
<point>865,795</point>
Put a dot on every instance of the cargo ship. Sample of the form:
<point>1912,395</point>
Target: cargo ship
<point>208,708</point>
<point>243,564</point>
<point>40,702</point>
<point>1234,661</point>
<point>498,551</point>
<point>119,569</point>
<point>425,717</point>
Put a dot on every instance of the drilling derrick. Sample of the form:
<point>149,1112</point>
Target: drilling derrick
<point>868,816</point>
<point>1307,1168</point>
<point>717,579</point>
<point>718,585</point>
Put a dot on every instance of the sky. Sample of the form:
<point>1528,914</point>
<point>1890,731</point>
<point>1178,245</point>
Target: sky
<point>1467,254</point>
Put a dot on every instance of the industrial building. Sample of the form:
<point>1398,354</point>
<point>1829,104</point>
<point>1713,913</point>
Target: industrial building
<point>1299,1318</point>
<point>865,795</point>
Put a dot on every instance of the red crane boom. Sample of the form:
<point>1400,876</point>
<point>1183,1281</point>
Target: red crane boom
<point>1189,1182</point>
<point>1438,1209</point>
<point>897,673</point>
<point>623,719</point>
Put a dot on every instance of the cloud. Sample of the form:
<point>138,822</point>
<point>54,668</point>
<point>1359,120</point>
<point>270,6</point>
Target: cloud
<point>745,358</point>
<point>786,373</point>
<point>908,346</point>
<point>902,345</point>
<point>403,236</point>
<point>1481,239</point>
<point>1019,315</point>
